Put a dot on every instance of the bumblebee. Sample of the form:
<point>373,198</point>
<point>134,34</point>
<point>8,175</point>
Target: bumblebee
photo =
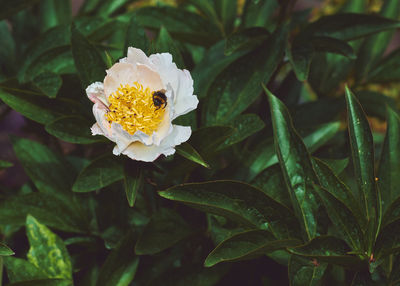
<point>159,99</point>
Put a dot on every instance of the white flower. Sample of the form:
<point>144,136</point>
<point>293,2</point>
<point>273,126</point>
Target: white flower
<point>129,113</point>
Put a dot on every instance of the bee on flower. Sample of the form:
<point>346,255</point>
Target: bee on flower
<point>137,102</point>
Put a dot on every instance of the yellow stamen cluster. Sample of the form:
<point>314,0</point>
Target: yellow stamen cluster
<point>133,108</point>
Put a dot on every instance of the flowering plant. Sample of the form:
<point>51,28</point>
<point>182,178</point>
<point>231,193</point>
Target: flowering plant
<point>126,111</point>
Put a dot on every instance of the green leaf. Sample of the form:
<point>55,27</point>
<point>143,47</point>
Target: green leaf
<point>212,64</point>
<point>135,36</point>
<point>182,24</point>
<point>303,271</point>
<point>263,154</point>
<point>328,249</point>
<point>296,166</point>
<point>259,13</point>
<point>373,47</point>
<point>55,212</point>
<point>239,84</point>
<point>49,171</point>
<point>362,278</point>
<point>88,61</point>
<point>363,159</point>
<point>34,106</point>
<point>387,70</point>
<point>164,229</point>
<point>47,251</point>
<point>246,39</point>
<point>108,7</point>
<point>245,125</point>
<point>5,250</point>
<point>54,13</point>
<point>133,182</point>
<point>186,150</point>
<point>74,129</point>
<point>100,173</point>
<point>166,44</point>
<point>389,165</point>
<point>375,103</point>
<point>337,166</point>
<point>22,270</point>
<point>7,50</point>
<point>49,83</point>
<point>43,282</point>
<point>247,245</point>
<point>9,8</point>
<point>120,267</point>
<point>239,202</point>
<point>392,212</point>
<point>226,11</point>
<point>388,240</point>
<point>349,26</point>
<point>5,164</point>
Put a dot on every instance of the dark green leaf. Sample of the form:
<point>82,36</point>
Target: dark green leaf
<point>7,50</point>
<point>363,160</point>
<point>5,250</point>
<point>389,166</point>
<point>54,13</point>
<point>238,201</point>
<point>392,212</point>
<point>226,11</point>
<point>182,24</point>
<point>349,26</point>
<point>259,13</point>
<point>245,125</point>
<point>22,270</point>
<point>328,249</point>
<point>296,166</point>
<point>373,47</point>
<point>388,240</point>
<point>100,173</point>
<point>362,278</point>
<point>374,103</point>
<point>133,182</point>
<point>8,8</point>
<point>336,165</point>
<point>108,7</point>
<point>166,44</point>
<point>74,129</point>
<point>34,106</point>
<point>49,171</point>
<point>239,84</point>
<point>246,39</point>
<point>388,69</point>
<point>47,251</point>
<point>49,83</point>
<point>52,211</point>
<point>303,271</point>
<point>88,61</point>
<point>165,229</point>
<point>135,36</point>
<point>186,150</point>
<point>247,245</point>
<point>120,267</point>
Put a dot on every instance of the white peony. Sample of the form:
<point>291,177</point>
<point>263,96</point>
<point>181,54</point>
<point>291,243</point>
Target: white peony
<point>128,113</point>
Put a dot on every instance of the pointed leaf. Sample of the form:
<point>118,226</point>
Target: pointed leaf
<point>238,201</point>
<point>165,229</point>
<point>328,249</point>
<point>246,39</point>
<point>388,240</point>
<point>47,251</point>
<point>22,270</point>
<point>88,62</point>
<point>133,182</point>
<point>10,8</point>
<point>296,166</point>
<point>100,173</point>
<point>120,267</point>
<point>363,156</point>
<point>186,150</point>
<point>49,83</point>
<point>74,129</point>
<point>387,70</point>
<point>389,165</point>
<point>303,271</point>
<point>5,250</point>
<point>247,245</point>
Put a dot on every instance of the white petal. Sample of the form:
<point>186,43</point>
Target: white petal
<point>149,78</point>
<point>95,92</point>
<point>141,152</point>
<point>185,101</point>
<point>123,139</point>
<point>137,56</point>
<point>120,73</point>
<point>99,112</point>
<point>166,68</point>
<point>96,130</point>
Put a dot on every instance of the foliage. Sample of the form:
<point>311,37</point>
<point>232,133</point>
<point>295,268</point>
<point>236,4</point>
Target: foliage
<point>290,177</point>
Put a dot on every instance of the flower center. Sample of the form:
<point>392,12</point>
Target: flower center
<point>133,108</point>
